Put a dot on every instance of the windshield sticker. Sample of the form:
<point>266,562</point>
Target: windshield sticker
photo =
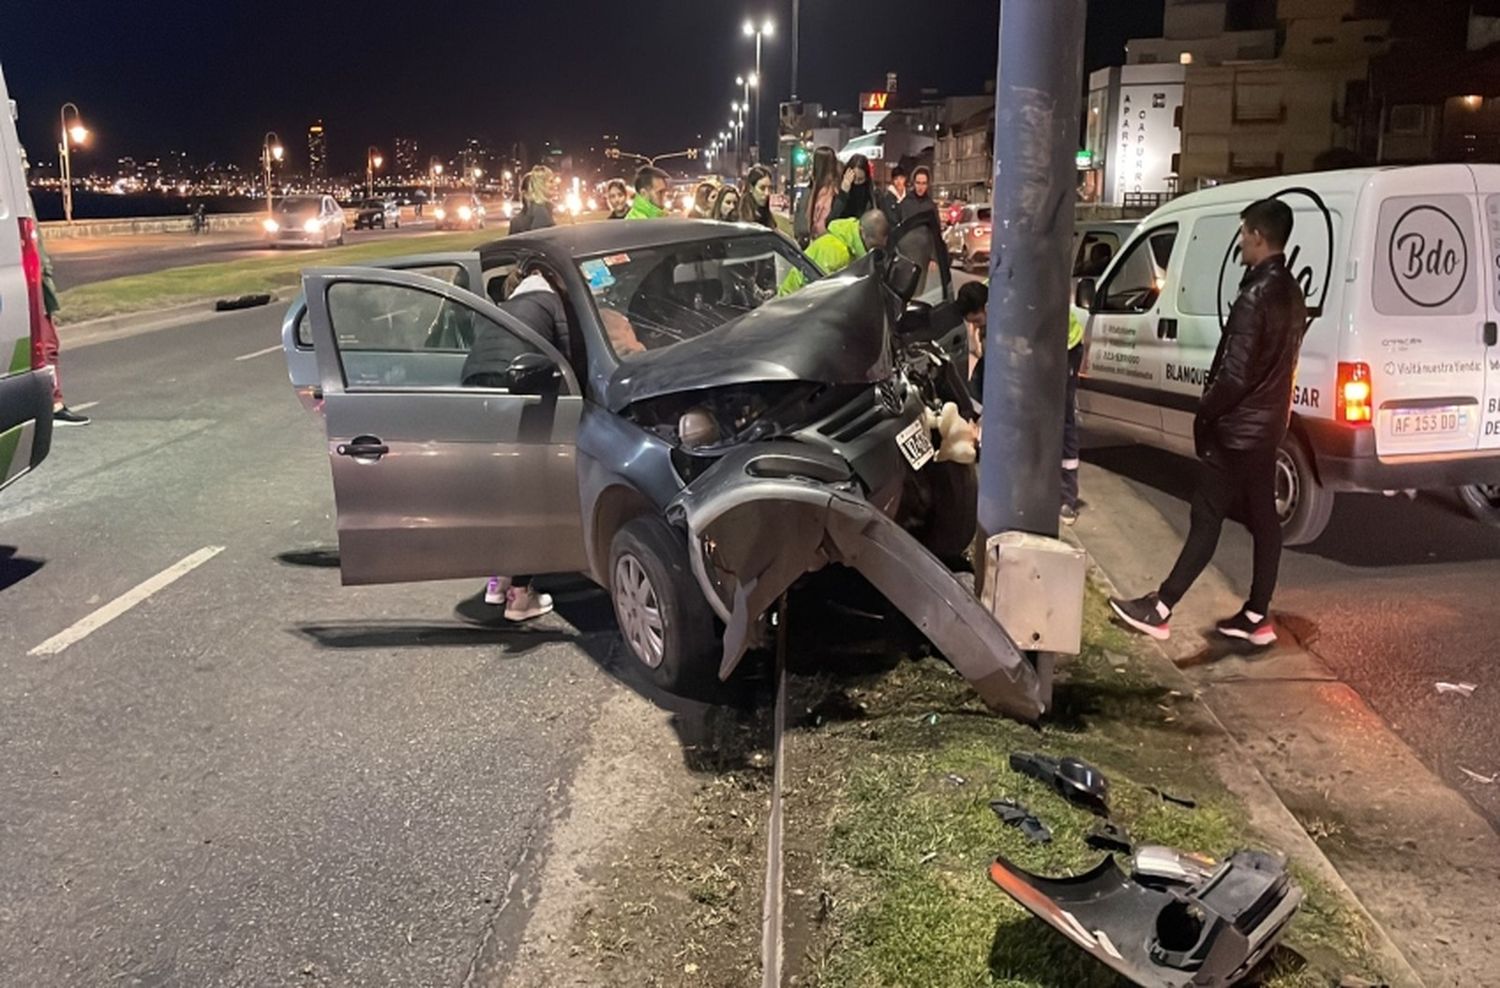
<point>614,259</point>
<point>597,272</point>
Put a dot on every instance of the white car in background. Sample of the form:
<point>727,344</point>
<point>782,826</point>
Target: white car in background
<point>25,386</point>
<point>312,221</point>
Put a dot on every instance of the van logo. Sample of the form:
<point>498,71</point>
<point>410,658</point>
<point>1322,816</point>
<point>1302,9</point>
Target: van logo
<point>1429,256</point>
<point>1309,254</point>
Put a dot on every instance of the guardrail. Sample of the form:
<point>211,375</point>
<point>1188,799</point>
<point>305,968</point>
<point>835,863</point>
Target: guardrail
<point>61,230</point>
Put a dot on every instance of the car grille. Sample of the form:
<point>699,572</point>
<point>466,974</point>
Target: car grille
<point>883,401</point>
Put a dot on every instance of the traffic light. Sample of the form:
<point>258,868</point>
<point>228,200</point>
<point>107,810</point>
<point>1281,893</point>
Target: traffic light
<point>692,154</point>
<point>799,156</point>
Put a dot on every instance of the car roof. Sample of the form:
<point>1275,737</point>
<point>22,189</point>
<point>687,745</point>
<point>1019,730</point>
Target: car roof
<point>624,235</point>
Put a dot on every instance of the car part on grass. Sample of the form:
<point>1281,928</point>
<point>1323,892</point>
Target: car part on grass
<point>1108,835</point>
<point>1171,865</point>
<point>1072,778</point>
<point>1460,689</point>
<point>1016,815</point>
<point>242,302</point>
<point>1210,934</point>
<point>1185,802</point>
<point>810,500</point>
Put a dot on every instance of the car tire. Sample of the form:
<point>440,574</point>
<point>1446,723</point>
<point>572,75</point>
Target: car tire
<point>951,501</point>
<point>1303,504</point>
<point>650,574</point>
<point>340,240</point>
<point>1482,501</point>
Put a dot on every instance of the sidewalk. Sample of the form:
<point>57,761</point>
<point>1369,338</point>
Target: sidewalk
<point>1422,861</point>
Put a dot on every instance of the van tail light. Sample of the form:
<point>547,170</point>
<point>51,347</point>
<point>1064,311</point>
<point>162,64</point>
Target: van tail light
<point>1355,402</point>
<point>31,267</point>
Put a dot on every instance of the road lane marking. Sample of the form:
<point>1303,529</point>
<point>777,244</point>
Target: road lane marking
<point>259,353</point>
<point>85,406</point>
<point>124,602</point>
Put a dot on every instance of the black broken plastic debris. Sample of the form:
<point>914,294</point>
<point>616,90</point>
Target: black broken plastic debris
<point>1016,815</point>
<point>1072,778</point>
<point>1182,801</point>
<point>1109,836</point>
<point>243,302</point>
<point>1208,934</point>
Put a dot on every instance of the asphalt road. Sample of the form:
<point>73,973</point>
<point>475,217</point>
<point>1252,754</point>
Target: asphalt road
<point>254,776</point>
<point>1396,596</point>
<point>82,261</point>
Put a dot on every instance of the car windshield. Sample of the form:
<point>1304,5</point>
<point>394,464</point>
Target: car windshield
<point>982,214</point>
<point>374,203</point>
<point>653,297</point>
<point>453,202</point>
<point>299,204</point>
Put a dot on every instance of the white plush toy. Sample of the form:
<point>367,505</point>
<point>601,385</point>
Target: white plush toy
<point>956,435</point>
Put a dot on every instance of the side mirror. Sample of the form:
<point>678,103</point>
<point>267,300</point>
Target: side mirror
<point>533,374</point>
<point>1083,295</point>
<point>903,276</point>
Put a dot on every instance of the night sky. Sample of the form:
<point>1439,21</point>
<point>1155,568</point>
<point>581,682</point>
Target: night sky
<point>212,78</point>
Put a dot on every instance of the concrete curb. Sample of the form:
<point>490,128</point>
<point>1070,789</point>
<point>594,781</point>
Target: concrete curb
<point>81,334</point>
<point>1268,814</point>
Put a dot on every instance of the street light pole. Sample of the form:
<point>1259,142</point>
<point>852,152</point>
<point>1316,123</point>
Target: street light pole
<point>766,30</point>
<point>434,169</point>
<point>78,134</point>
<point>796,42</point>
<point>270,148</point>
<point>373,160</point>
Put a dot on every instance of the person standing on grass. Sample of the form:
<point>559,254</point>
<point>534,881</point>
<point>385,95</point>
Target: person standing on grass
<point>1241,421</point>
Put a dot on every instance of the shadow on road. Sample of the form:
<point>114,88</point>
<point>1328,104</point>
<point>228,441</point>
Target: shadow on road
<point>14,568</point>
<point>1433,528</point>
<point>320,557</point>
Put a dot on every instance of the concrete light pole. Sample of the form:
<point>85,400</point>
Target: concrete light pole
<point>77,133</point>
<point>270,149</point>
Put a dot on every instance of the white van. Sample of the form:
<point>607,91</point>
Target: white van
<point>25,390</point>
<point>1399,382</point>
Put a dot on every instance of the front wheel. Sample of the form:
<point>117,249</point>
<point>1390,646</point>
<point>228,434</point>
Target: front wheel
<point>1482,501</point>
<point>667,625</point>
<point>1302,503</point>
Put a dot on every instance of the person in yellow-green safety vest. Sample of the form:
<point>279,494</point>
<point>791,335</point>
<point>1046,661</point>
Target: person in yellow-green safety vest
<point>973,306</point>
<point>650,201</point>
<point>846,241</point>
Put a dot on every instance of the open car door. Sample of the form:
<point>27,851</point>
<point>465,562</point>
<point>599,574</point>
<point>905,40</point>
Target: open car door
<point>433,480</point>
<point>932,314</point>
<point>458,268</point>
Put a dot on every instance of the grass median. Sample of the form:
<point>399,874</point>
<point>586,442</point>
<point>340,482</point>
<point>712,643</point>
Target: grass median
<point>228,279</point>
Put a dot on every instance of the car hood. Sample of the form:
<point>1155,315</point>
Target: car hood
<point>832,331</point>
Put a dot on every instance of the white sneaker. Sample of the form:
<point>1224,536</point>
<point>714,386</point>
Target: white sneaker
<point>495,590</point>
<point>524,603</point>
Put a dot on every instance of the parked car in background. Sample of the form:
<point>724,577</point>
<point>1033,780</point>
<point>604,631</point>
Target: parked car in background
<point>460,212</point>
<point>382,213</point>
<point>25,383</point>
<point>312,221</point>
<point>969,238</point>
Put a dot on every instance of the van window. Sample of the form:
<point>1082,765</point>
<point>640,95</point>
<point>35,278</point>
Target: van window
<point>1136,282</point>
<point>1095,251</point>
<point>1425,256</point>
<point>1204,266</point>
<point>1212,269</point>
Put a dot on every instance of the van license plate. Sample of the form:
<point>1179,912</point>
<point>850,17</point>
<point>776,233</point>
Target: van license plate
<point>1427,422</point>
<point>916,444</point>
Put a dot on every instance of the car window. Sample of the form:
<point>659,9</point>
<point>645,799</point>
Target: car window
<point>397,336</point>
<point>1137,281</point>
<point>654,297</point>
<point>919,246</point>
<point>450,274</point>
<point>1095,250</point>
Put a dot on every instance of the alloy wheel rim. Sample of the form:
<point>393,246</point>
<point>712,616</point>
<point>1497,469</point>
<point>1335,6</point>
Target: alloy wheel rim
<point>1288,487</point>
<point>639,612</point>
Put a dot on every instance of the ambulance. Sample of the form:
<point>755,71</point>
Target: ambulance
<point>1398,388</point>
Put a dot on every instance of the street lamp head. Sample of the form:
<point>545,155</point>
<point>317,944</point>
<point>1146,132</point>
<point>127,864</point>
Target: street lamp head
<point>277,151</point>
<point>749,29</point>
<point>79,133</point>
<point>478,172</point>
<point>739,80</point>
<point>769,29</point>
<point>754,80</point>
<point>437,169</point>
<point>377,161</point>
<point>734,107</point>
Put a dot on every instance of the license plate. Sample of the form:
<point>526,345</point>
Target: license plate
<point>916,444</point>
<point>1428,422</point>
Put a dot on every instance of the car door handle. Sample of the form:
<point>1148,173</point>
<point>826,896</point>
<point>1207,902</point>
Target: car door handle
<point>1166,329</point>
<point>1491,334</point>
<point>363,448</point>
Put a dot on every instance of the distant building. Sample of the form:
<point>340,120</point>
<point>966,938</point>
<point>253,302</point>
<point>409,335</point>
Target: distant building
<point>125,168</point>
<point>1132,138</point>
<point>317,152</point>
<point>406,157</point>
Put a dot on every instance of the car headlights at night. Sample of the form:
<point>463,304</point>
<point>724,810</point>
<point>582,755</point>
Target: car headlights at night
<point>442,213</point>
<point>465,213</point>
<point>270,226</point>
<point>312,226</point>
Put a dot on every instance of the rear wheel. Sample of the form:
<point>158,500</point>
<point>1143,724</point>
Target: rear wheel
<point>1482,501</point>
<point>1302,503</point>
<point>667,625</point>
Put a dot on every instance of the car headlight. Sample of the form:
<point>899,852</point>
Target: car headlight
<point>697,428</point>
<point>507,209</point>
<point>270,226</point>
<point>465,213</point>
<point>442,213</point>
<point>313,225</point>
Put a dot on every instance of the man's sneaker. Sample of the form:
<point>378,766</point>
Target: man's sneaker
<point>1240,626</point>
<point>1068,514</point>
<point>524,603</point>
<point>1147,614</point>
<point>66,416</point>
<point>494,591</point>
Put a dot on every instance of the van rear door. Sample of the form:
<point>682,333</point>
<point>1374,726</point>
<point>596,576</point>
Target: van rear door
<point>1424,342</point>
<point>1487,179</point>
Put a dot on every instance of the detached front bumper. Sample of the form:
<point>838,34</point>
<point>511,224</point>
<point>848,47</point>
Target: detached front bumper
<point>769,512</point>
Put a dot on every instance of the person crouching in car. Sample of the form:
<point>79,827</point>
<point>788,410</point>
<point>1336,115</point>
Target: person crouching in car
<point>846,241</point>
<point>533,301</point>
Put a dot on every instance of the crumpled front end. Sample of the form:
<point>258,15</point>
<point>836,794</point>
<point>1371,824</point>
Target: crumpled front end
<point>769,512</point>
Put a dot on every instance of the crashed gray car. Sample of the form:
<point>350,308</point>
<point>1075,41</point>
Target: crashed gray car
<point>707,444</point>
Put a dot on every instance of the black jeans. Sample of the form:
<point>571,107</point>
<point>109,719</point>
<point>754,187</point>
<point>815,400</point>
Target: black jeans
<point>1231,478</point>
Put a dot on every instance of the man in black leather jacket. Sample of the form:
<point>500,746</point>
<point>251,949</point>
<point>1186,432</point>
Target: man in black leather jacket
<point>1241,421</point>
